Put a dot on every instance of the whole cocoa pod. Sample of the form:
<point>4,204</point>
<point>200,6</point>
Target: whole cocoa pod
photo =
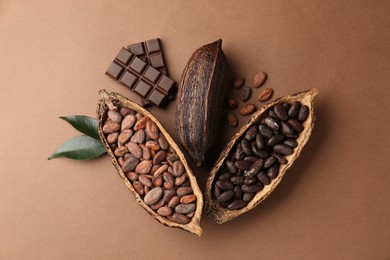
<point>200,101</point>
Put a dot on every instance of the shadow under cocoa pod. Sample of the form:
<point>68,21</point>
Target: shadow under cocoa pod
<point>221,214</point>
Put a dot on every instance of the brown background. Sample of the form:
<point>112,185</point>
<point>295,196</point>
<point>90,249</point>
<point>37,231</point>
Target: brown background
<point>332,204</point>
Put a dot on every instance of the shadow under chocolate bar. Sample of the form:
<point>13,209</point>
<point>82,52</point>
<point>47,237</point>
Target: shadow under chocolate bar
<point>140,77</point>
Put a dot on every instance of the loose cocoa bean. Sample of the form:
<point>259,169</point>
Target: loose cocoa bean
<point>231,119</point>
<point>157,180</point>
<point>259,79</point>
<point>247,109</point>
<point>232,103</point>
<point>239,82</point>
<point>162,142</point>
<point>245,93</point>
<point>265,95</point>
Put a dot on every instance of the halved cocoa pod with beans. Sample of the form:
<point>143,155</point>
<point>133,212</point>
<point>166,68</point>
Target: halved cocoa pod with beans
<point>150,163</point>
<point>258,156</point>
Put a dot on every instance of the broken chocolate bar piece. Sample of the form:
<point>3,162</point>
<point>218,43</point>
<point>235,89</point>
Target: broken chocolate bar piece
<point>151,52</point>
<point>140,77</point>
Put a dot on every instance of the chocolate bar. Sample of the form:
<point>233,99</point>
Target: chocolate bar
<point>151,52</point>
<point>140,77</point>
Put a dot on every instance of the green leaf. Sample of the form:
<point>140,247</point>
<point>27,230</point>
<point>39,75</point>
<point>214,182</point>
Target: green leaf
<point>80,148</point>
<point>85,124</point>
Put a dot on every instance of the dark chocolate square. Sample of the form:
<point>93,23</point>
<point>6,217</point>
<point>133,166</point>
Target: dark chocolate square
<point>115,70</point>
<point>142,88</point>
<point>165,85</point>
<point>128,79</point>
<point>138,65</point>
<point>153,45</point>
<point>157,60</point>
<point>152,74</point>
<point>137,49</point>
<point>124,56</point>
<point>156,97</point>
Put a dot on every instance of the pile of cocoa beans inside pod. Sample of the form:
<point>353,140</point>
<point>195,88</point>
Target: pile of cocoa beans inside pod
<point>256,158</point>
<point>151,164</point>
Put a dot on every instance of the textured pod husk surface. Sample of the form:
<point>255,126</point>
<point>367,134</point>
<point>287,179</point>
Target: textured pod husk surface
<point>220,214</point>
<point>115,101</point>
<point>200,101</point>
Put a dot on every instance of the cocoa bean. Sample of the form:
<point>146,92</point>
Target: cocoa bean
<point>159,157</point>
<point>145,181</point>
<point>265,95</point>
<point>187,199</point>
<point>112,138</point>
<point>239,82</point>
<point>130,164</point>
<point>178,169</point>
<point>144,167</point>
<point>153,196</point>
<point>164,211</point>
<point>182,191</point>
<point>185,208</point>
<point>135,149</point>
<point>110,127</point>
<point>128,122</point>
<point>232,103</point>
<point>259,79</point>
<point>139,188</point>
<point>231,119</point>
<point>141,123</point>
<point>138,137</point>
<point>179,218</point>
<point>245,93</point>
<point>114,116</point>
<point>174,202</point>
<point>237,204</point>
<point>247,109</point>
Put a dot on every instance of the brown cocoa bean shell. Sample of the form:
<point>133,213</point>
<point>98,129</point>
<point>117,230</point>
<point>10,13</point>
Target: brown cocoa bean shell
<point>212,207</point>
<point>117,101</point>
<point>202,80</point>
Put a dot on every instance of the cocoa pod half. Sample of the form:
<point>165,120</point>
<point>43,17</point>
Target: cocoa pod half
<point>201,101</point>
<point>148,185</point>
<point>224,200</point>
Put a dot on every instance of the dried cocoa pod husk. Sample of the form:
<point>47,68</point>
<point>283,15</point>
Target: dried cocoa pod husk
<point>116,101</point>
<point>201,100</point>
<point>212,207</point>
